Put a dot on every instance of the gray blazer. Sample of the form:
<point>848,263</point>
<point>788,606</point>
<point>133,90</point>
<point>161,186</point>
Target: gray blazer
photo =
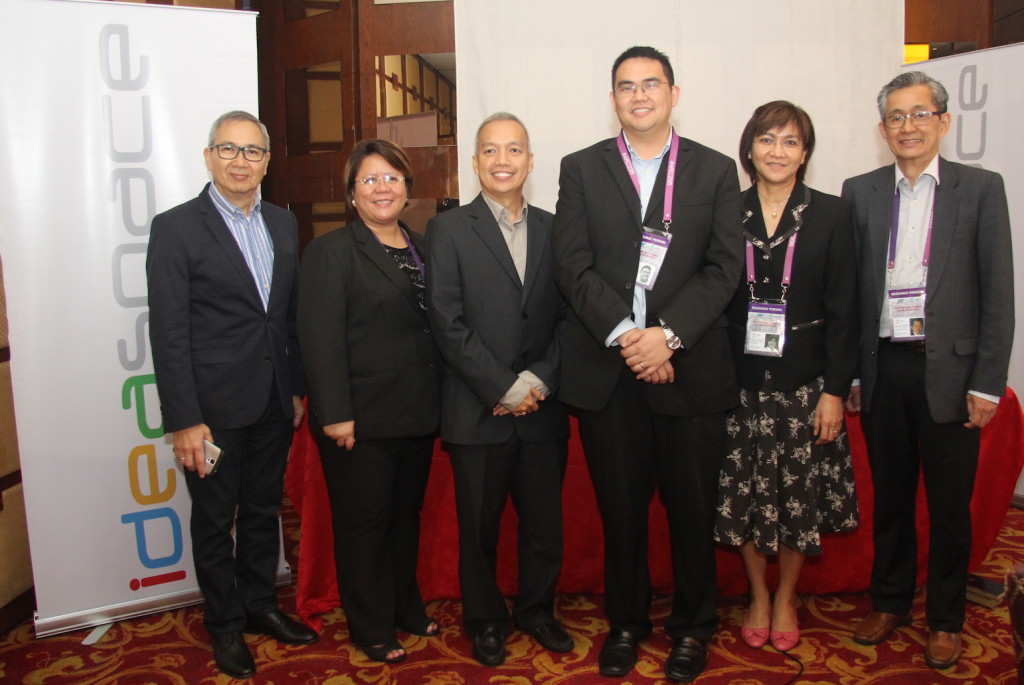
<point>490,326</point>
<point>969,299</point>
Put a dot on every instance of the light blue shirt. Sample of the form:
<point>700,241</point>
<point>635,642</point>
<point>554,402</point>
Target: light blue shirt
<point>253,238</point>
<point>646,174</point>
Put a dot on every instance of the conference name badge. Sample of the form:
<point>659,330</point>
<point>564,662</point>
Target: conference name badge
<point>906,314</point>
<point>653,248</point>
<point>766,329</point>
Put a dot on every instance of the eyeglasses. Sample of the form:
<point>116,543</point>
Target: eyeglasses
<point>628,87</point>
<point>230,151</point>
<point>918,118</point>
<point>386,178</point>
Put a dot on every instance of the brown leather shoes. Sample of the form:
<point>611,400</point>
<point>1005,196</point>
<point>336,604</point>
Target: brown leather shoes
<point>944,649</point>
<point>877,626</point>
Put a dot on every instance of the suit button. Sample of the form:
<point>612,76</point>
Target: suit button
<point>432,365</point>
<point>636,244</point>
<point>427,331</point>
<point>525,316</point>
<point>266,359</point>
<point>629,286</point>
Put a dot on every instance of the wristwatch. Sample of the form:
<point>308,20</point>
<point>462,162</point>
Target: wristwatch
<point>671,339</point>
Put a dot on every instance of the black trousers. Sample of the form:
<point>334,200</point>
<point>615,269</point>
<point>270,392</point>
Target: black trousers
<point>376,494</point>
<point>629,450</point>
<point>485,476</point>
<point>902,441</point>
<point>236,574</point>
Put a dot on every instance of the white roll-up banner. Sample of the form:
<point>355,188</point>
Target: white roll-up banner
<point>105,109</point>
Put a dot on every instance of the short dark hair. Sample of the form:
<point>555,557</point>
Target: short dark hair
<point>392,154</point>
<point>644,52</point>
<point>776,114</point>
<point>909,79</point>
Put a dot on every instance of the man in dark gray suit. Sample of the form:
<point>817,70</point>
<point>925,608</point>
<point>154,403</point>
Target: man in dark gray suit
<point>933,248</point>
<point>221,270</point>
<point>494,310</point>
<point>647,357</point>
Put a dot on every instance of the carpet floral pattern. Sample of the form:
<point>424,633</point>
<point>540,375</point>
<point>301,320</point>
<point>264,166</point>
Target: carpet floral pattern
<point>173,647</point>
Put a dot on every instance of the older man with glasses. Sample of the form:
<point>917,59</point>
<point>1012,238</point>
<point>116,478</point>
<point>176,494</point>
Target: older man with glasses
<point>222,281</point>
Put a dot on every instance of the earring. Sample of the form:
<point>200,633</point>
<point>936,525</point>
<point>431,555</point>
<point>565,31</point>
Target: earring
<point>748,157</point>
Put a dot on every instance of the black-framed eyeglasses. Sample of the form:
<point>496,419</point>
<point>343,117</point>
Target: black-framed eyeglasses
<point>629,87</point>
<point>896,120</point>
<point>386,178</point>
<point>230,151</point>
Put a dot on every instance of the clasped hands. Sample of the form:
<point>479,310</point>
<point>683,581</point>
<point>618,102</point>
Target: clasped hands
<point>647,355</point>
<point>528,405</point>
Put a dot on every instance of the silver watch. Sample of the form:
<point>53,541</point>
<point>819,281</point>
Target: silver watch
<point>671,339</point>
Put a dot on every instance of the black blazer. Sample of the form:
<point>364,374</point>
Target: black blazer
<point>370,355</point>
<point>969,291</point>
<point>216,352</point>
<point>490,326</point>
<point>596,237</point>
<point>821,302</point>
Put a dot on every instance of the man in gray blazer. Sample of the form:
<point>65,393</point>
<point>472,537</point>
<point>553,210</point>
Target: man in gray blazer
<point>494,310</point>
<point>933,248</point>
<point>222,275</point>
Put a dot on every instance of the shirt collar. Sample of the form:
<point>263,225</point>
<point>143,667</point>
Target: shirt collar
<point>226,205</point>
<point>636,157</point>
<point>931,170</point>
<point>499,211</point>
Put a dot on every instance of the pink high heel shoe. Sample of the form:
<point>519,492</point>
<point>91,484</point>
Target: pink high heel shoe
<point>754,637</point>
<point>784,640</point>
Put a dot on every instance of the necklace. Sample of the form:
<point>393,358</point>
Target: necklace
<point>778,205</point>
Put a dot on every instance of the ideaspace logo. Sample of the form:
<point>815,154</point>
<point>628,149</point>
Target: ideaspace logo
<point>132,185</point>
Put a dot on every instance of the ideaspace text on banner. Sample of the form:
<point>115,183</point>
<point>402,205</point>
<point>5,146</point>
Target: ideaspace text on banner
<point>985,102</point>
<point>104,113</point>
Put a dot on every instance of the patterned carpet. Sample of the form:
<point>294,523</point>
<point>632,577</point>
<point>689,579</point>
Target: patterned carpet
<point>173,647</point>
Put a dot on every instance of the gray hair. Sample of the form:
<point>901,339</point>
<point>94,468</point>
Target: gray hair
<point>909,79</point>
<point>501,116</point>
<point>238,115</point>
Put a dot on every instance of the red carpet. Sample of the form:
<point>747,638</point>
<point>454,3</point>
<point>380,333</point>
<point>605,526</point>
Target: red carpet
<point>173,647</point>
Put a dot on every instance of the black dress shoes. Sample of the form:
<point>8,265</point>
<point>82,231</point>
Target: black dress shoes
<point>618,653</point>
<point>687,659</point>
<point>552,636</point>
<point>232,656</point>
<point>489,646</point>
<point>282,628</point>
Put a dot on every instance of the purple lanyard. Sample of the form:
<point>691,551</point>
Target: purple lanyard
<point>670,176</point>
<point>787,266</point>
<point>894,227</point>
<point>412,250</point>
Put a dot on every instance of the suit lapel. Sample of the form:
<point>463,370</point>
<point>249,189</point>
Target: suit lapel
<point>618,171</point>
<point>215,224</point>
<point>879,217</point>
<point>380,258</point>
<point>489,233</point>
<point>538,235</point>
<point>277,240</point>
<point>947,202</point>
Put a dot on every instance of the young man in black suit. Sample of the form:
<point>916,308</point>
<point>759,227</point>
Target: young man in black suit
<point>494,309</point>
<point>647,360</point>
<point>937,318</point>
<point>222,281</point>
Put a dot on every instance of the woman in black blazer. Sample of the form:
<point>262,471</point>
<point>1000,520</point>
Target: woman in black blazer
<point>374,378</point>
<point>787,476</point>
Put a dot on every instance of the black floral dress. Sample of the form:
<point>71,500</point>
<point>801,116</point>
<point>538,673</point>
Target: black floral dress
<point>776,486</point>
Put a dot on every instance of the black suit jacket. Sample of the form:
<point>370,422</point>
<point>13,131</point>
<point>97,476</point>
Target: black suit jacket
<point>216,352</point>
<point>370,357</point>
<point>821,302</point>
<point>596,236</point>
<point>490,326</point>
<point>969,314</point>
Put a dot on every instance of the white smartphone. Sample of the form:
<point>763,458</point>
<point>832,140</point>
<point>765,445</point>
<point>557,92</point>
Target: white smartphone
<point>211,455</point>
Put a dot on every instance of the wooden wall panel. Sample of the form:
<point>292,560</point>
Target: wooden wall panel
<point>948,21</point>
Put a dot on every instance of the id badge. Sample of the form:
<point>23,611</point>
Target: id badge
<point>653,248</point>
<point>906,314</point>
<point>766,329</point>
